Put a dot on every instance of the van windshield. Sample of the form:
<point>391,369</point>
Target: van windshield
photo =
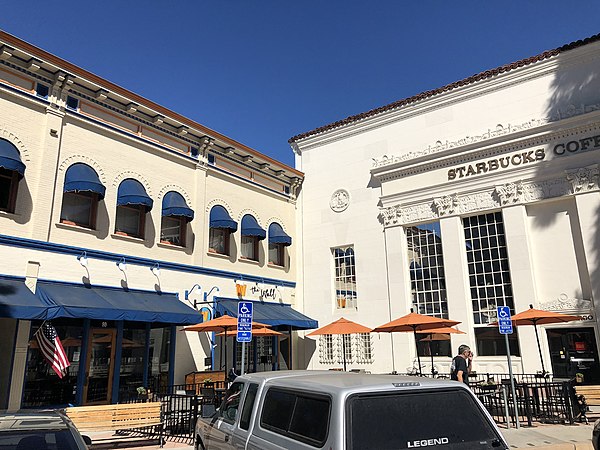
<point>440,419</point>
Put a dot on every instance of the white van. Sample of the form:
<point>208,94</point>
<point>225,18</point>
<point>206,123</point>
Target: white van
<point>338,410</point>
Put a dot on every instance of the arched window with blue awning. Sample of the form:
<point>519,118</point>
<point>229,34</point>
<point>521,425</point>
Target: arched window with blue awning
<point>250,227</point>
<point>219,218</point>
<point>82,178</point>
<point>10,158</point>
<point>174,205</point>
<point>132,193</point>
<point>278,236</point>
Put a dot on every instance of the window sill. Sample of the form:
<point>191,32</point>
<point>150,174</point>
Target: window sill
<point>66,226</point>
<point>10,215</point>
<point>275,266</point>
<point>248,261</point>
<point>171,246</point>
<point>125,237</point>
<point>217,255</point>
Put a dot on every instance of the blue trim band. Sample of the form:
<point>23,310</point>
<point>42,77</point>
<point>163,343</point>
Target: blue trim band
<point>13,241</point>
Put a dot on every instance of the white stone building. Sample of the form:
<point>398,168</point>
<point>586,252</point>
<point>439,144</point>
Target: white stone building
<point>478,194</point>
<point>113,207</point>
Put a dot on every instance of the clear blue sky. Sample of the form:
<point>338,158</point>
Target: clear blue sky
<point>263,71</point>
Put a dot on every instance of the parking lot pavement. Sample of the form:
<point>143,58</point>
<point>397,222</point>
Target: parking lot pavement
<point>555,437</point>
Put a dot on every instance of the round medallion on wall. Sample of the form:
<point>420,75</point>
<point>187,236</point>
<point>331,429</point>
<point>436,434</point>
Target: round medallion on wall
<point>339,200</point>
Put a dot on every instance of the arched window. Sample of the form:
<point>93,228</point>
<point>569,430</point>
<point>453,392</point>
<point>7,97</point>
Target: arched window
<point>252,233</point>
<point>278,240</point>
<point>221,227</point>
<point>82,192</point>
<point>12,170</point>
<point>132,205</point>
<point>175,216</point>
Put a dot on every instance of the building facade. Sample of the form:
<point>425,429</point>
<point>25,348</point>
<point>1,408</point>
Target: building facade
<point>479,194</point>
<point>121,221</point>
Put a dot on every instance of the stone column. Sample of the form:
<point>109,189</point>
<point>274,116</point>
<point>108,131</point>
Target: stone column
<point>17,381</point>
<point>523,285</point>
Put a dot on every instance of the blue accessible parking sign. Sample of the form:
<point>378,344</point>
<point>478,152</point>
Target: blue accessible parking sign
<point>244,325</point>
<point>504,320</point>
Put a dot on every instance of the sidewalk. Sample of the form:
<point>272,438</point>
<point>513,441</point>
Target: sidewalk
<point>555,437</point>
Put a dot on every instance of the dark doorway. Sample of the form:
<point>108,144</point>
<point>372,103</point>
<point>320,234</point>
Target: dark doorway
<point>573,351</point>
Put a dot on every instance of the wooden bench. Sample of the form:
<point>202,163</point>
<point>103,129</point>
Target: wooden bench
<point>127,416</point>
<point>590,392</point>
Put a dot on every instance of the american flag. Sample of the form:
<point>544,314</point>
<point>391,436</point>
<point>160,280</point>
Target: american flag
<point>52,349</point>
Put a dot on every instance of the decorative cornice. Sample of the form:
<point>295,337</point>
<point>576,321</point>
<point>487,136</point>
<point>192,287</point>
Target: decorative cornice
<point>563,303</point>
<point>520,192</point>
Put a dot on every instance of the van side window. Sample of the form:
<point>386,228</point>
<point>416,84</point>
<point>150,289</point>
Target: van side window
<point>248,405</point>
<point>300,416</point>
<point>231,403</point>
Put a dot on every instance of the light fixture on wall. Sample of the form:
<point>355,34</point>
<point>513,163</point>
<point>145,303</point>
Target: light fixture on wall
<point>122,265</point>
<point>186,295</point>
<point>206,294</point>
<point>155,269</point>
<point>83,259</point>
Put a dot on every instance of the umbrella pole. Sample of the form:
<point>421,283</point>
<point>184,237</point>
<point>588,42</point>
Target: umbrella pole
<point>431,353</point>
<point>537,337</point>
<point>417,345</point>
<point>344,351</point>
<point>226,355</point>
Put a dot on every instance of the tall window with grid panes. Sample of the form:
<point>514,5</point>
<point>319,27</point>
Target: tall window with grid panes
<point>345,277</point>
<point>489,280</point>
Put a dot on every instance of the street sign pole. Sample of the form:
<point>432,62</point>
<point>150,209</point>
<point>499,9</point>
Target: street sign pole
<point>505,327</point>
<point>244,328</point>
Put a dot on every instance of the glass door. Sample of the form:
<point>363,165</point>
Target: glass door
<point>97,388</point>
<point>573,351</point>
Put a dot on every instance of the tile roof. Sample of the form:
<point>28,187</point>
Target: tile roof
<point>427,94</point>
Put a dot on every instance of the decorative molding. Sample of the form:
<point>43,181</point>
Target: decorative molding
<point>565,303</point>
<point>220,202</point>
<point>277,220</point>
<point>499,130</point>
<point>583,179</point>
<point>250,211</point>
<point>445,205</point>
<point>176,188</point>
<point>134,175</point>
<point>340,200</point>
<point>509,192</point>
<point>10,137</point>
<point>86,160</point>
<point>495,197</point>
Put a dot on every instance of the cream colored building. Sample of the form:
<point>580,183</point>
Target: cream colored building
<point>453,202</point>
<point>122,217</point>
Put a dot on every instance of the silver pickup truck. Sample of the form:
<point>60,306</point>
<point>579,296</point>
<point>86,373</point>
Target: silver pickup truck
<point>338,410</point>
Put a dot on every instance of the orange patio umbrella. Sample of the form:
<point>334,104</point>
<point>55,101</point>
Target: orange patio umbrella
<point>439,334</point>
<point>341,326</point>
<point>264,331</point>
<point>537,317</point>
<point>223,323</point>
<point>414,322</point>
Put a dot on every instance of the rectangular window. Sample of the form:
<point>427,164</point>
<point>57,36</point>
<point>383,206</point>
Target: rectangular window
<point>489,277</point>
<point>211,159</point>
<point>346,346</point>
<point>345,277</point>
<point>79,209</point>
<point>249,248</point>
<point>218,241</point>
<point>426,267</point>
<point>326,349</point>
<point>130,221</point>
<point>365,348</point>
<point>276,254</point>
<point>9,182</point>
<point>248,405</point>
<point>172,230</point>
<point>72,103</point>
<point>492,343</point>
<point>41,90</point>
<point>434,344</point>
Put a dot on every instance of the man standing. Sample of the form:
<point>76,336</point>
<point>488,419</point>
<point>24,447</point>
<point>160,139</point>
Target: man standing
<point>461,365</point>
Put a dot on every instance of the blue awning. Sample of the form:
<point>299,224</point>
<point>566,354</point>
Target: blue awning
<point>174,204</point>
<point>10,158</point>
<point>106,303</point>
<point>250,227</point>
<point>277,235</point>
<point>272,314</point>
<point>18,302</point>
<point>219,218</point>
<point>82,178</point>
<point>132,192</point>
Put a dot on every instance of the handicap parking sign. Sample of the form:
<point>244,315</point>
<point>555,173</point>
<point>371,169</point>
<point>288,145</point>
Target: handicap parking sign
<point>504,320</point>
<point>244,324</point>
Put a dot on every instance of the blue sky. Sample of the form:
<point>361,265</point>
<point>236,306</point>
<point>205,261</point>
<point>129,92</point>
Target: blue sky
<point>261,71</point>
